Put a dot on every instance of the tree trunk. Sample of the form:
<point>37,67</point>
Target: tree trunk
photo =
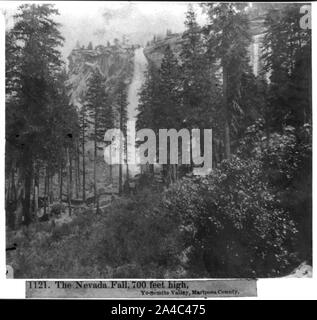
<point>110,166</point>
<point>175,172</point>
<point>19,200</point>
<point>27,215</point>
<point>36,199</point>
<point>11,200</point>
<point>70,175</point>
<point>226,112</point>
<point>12,194</point>
<point>267,125</point>
<point>151,169</point>
<point>120,175</point>
<point>61,182</point>
<point>84,169</point>
<point>51,188</point>
<point>216,153</point>
<point>120,151</point>
<point>45,191</point>
<point>77,171</point>
<point>76,179</point>
<point>36,192</point>
<point>48,187</point>
<point>95,170</point>
<point>127,167</point>
<point>68,180</point>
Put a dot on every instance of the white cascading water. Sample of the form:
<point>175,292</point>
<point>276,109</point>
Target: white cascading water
<point>140,66</point>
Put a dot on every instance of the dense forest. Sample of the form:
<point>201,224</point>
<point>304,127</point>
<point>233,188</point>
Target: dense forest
<point>70,215</point>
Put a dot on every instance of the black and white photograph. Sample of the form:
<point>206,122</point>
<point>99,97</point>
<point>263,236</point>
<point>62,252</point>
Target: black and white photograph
<point>158,140</point>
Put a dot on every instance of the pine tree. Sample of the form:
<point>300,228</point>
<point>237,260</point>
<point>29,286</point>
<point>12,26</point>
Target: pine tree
<point>160,98</point>
<point>149,99</point>
<point>100,115</point>
<point>120,104</point>
<point>168,115</point>
<point>228,40</point>
<point>83,127</point>
<point>199,84</point>
<point>63,134</point>
<point>90,46</point>
<point>168,112</point>
<point>287,56</point>
<point>192,45</point>
<point>34,64</point>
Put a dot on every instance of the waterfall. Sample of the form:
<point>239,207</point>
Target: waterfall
<point>140,66</point>
<point>256,53</point>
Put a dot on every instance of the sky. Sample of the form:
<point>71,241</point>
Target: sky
<point>100,21</point>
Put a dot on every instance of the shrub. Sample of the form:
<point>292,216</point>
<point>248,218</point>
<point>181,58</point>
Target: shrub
<point>57,209</point>
<point>136,235</point>
<point>286,161</point>
<point>232,223</point>
<point>133,238</point>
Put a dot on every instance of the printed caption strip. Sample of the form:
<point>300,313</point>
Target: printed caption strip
<point>142,289</point>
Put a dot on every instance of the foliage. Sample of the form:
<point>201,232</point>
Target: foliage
<point>200,94</point>
<point>232,222</point>
<point>148,99</point>
<point>137,232</point>
<point>286,161</point>
<point>287,59</point>
<point>132,238</point>
<point>57,208</point>
<point>39,122</point>
<point>98,106</point>
<point>227,41</point>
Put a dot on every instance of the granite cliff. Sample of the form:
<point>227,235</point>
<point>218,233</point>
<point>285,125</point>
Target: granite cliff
<point>114,63</point>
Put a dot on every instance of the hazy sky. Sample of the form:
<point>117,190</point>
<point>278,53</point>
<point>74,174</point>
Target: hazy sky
<point>101,21</point>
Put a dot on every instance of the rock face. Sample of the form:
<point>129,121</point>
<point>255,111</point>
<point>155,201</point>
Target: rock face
<point>155,51</point>
<point>113,62</point>
<point>304,270</point>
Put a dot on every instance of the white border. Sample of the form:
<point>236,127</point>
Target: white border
<point>275,289</point>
